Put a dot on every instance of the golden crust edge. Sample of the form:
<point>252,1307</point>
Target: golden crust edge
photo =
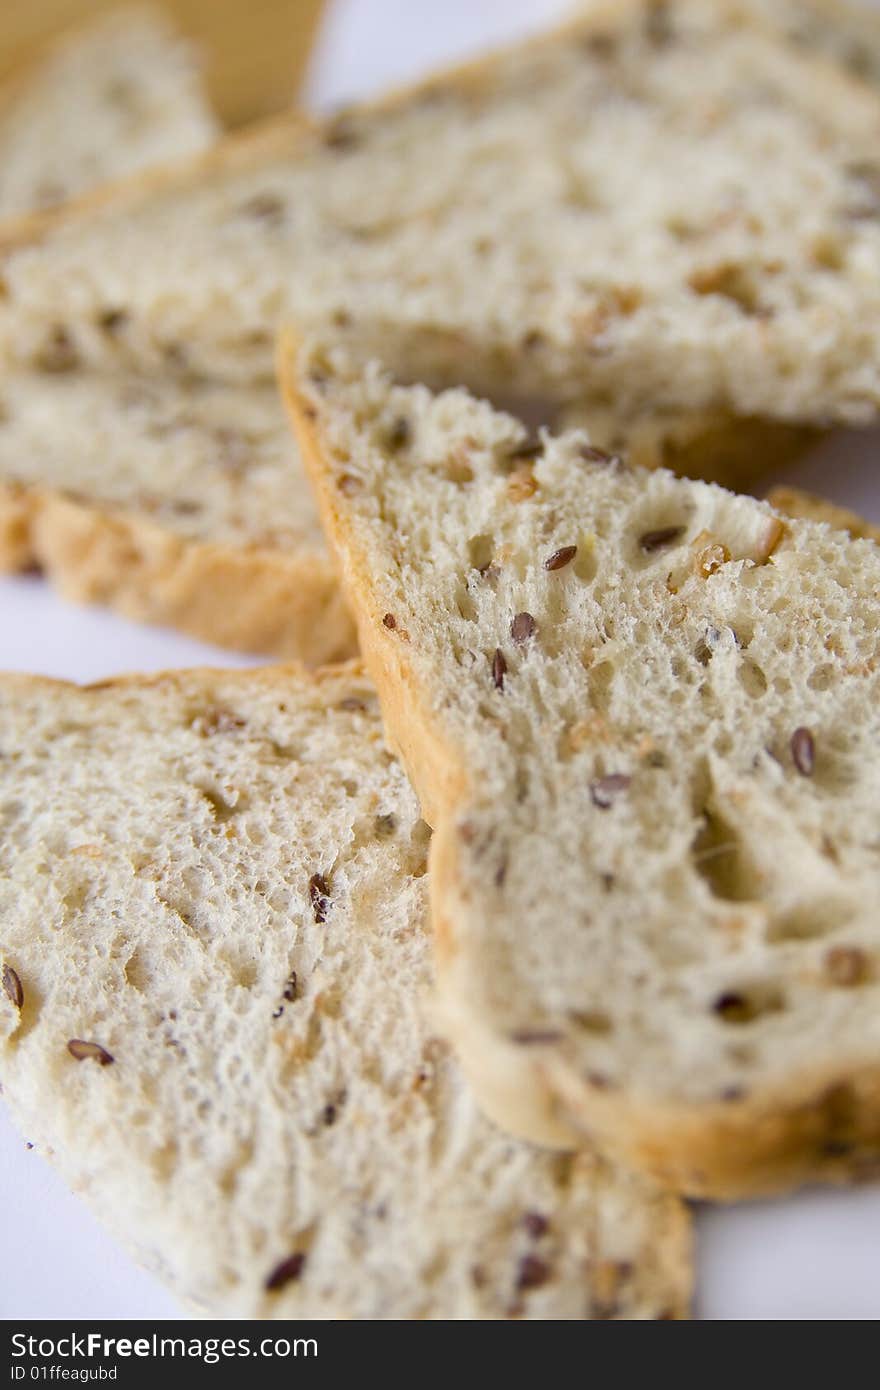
<point>254,600</point>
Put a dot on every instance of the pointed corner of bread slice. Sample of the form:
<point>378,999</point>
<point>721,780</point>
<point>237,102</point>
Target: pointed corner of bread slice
<point>642,716</point>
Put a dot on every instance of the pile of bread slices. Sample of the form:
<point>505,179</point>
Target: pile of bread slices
<point>429,988</point>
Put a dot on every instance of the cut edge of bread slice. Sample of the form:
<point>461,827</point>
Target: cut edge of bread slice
<point>213,1019</point>
<point>818,1122</point>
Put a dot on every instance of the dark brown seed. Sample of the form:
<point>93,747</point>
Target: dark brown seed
<point>83,1050</point>
<point>803,751</point>
<point>732,1093</point>
<point>399,433</point>
<point>522,627</point>
<point>527,449</point>
<point>652,541</point>
<point>598,1080</point>
<point>532,1272</point>
<point>319,896</point>
<point>389,621</point>
<point>534,1037</point>
<point>276,1013</point>
<point>329,1116</point>
<point>265,207</point>
<point>341,135</point>
<point>836,1148</point>
<point>658,24</point>
<point>846,965</point>
<point>733,1008</point>
<point>499,669</point>
<point>591,454</point>
<point>285,1273</point>
<point>560,558</point>
<point>290,987</point>
<point>604,791</point>
<point>112,320</point>
<point>59,353</point>
<point>12,987</point>
<point>535,1224</point>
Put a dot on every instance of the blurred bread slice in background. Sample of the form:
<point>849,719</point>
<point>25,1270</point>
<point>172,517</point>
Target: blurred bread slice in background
<point>255,53</point>
<point>107,99</point>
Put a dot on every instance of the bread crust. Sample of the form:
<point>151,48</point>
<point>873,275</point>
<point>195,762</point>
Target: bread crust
<point>248,598</point>
<point>797,502</point>
<point>823,1126</point>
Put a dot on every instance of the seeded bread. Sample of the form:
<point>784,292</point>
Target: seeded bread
<point>642,717</point>
<point>109,100</point>
<point>795,501</point>
<point>663,206</point>
<point>176,502</point>
<point>215,964</point>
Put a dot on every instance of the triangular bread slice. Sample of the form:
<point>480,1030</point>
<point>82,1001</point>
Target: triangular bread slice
<point>660,205</point>
<point>643,718</point>
<point>175,502</point>
<point>215,963</point>
<point>109,99</point>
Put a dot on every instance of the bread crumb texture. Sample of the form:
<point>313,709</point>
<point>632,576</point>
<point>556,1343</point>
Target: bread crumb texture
<point>215,962</point>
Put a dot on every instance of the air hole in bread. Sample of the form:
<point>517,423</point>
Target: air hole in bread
<point>743,1004</point>
<point>586,564</point>
<point>242,970</point>
<point>600,682</point>
<point>465,604</point>
<point>808,920</point>
<point>138,974</point>
<point>720,859</point>
<point>481,549</point>
<point>752,679</point>
<point>222,809</point>
<point>822,677</point>
<point>592,1021</point>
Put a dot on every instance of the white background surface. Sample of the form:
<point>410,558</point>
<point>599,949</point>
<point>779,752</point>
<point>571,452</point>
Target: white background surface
<point>816,1255</point>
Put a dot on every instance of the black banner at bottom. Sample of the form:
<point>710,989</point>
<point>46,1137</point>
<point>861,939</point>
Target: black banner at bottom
<point>135,1353</point>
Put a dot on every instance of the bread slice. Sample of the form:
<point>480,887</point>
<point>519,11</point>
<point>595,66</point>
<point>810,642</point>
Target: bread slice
<point>659,206</point>
<point>796,501</point>
<point>215,964</point>
<point>113,97</point>
<point>176,502</point>
<point>643,717</point>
